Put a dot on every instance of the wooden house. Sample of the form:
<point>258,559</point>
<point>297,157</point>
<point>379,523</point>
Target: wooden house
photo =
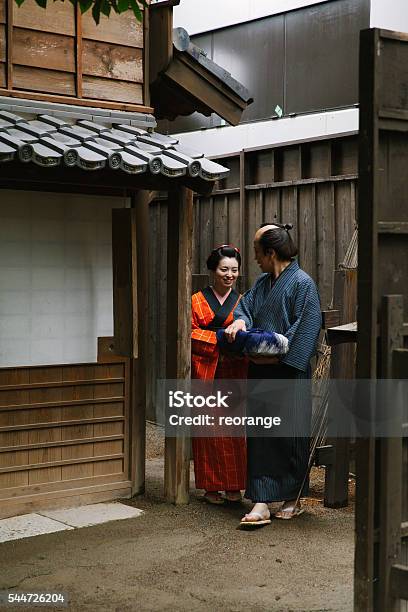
<point>79,163</point>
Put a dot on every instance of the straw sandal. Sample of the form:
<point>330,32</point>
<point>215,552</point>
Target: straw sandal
<point>213,497</point>
<point>234,497</point>
<point>260,522</point>
<point>288,513</point>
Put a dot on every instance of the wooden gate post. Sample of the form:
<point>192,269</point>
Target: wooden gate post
<point>178,341</point>
<point>129,251</point>
<point>140,202</point>
<point>342,366</point>
<point>368,195</point>
<point>382,261</point>
<point>390,448</point>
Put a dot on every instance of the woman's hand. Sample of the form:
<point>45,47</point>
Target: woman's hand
<point>231,330</point>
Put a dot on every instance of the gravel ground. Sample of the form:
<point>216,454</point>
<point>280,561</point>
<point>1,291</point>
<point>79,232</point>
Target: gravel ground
<point>192,557</point>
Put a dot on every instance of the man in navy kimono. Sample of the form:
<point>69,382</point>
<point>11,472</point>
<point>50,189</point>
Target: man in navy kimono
<point>284,299</point>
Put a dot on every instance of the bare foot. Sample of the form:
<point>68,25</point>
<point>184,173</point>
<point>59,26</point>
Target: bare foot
<point>259,514</point>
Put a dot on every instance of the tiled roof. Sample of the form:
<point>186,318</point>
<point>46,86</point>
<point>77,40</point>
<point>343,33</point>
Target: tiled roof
<point>54,139</point>
<point>183,44</point>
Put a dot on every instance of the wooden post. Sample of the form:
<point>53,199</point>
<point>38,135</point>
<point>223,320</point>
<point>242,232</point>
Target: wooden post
<point>368,198</point>
<point>130,283</point>
<point>390,482</point>
<point>140,204</point>
<point>242,216</point>
<point>124,264</point>
<point>79,51</point>
<point>9,48</point>
<point>342,366</point>
<point>178,341</point>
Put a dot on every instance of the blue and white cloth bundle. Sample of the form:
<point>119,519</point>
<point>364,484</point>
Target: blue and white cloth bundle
<point>254,342</point>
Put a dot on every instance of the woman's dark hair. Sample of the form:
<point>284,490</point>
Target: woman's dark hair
<point>225,250</point>
<point>278,239</point>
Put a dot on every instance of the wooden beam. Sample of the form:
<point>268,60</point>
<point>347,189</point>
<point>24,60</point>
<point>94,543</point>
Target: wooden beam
<point>242,203</point>
<point>191,62</point>
<point>297,182</point>
<point>391,324</point>
<point>342,366</point>
<point>160,39</point>
<point>201,88</point>
<point>30,95</point>
<point>369,191</point>
<point>78,51</point>
<point>140,205</point>
<point>146,57</point>
<point>342,333</point>
<point>13,174</point>
<point>124,264</point>
<point>393,227</point>
<point>324,455</point>
<point>10,4</point>
<point>178,341</point>
<point>331,318</point>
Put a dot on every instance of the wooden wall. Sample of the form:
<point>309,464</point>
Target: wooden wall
<point>58,52</point>
<point>64,434</point>
<point>312,185</point>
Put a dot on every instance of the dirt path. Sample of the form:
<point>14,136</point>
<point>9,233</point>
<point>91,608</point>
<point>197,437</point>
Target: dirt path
<point>192,558</point>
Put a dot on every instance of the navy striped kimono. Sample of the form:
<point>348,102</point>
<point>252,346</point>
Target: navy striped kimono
<point>290,306</point>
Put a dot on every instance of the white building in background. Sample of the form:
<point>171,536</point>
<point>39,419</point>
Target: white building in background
<point>297,127</point>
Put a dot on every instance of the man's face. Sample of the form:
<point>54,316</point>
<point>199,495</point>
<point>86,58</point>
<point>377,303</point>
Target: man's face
<point>264,261</point>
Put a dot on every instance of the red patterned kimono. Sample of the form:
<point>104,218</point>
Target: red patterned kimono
<point>219,462</point>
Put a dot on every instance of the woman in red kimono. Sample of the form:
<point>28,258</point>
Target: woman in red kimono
<point>219,462</point>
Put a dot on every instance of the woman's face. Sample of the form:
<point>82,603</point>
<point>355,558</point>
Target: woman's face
<point>226,273</point>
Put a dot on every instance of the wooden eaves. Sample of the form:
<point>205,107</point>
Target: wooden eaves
<point>183,79</point>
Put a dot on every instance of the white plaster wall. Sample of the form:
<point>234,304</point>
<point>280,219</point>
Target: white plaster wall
<point>389,15</point>
<point>229,139</point>
<point>55,276</point>
<point>197,16</point>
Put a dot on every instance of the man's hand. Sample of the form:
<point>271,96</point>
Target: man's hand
<point>232,329</point>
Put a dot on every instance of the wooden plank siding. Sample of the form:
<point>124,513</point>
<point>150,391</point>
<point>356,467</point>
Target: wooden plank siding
<point>57,51</point>
<point>43,50</point>
<point>3,44</point>
<point>284,184</point>
<point>58,18</point>
<point>3,54</point>
<point>117,29</point>
<point>63,429</point>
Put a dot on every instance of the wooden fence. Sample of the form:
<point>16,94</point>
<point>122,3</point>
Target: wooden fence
<point>312,185</point>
